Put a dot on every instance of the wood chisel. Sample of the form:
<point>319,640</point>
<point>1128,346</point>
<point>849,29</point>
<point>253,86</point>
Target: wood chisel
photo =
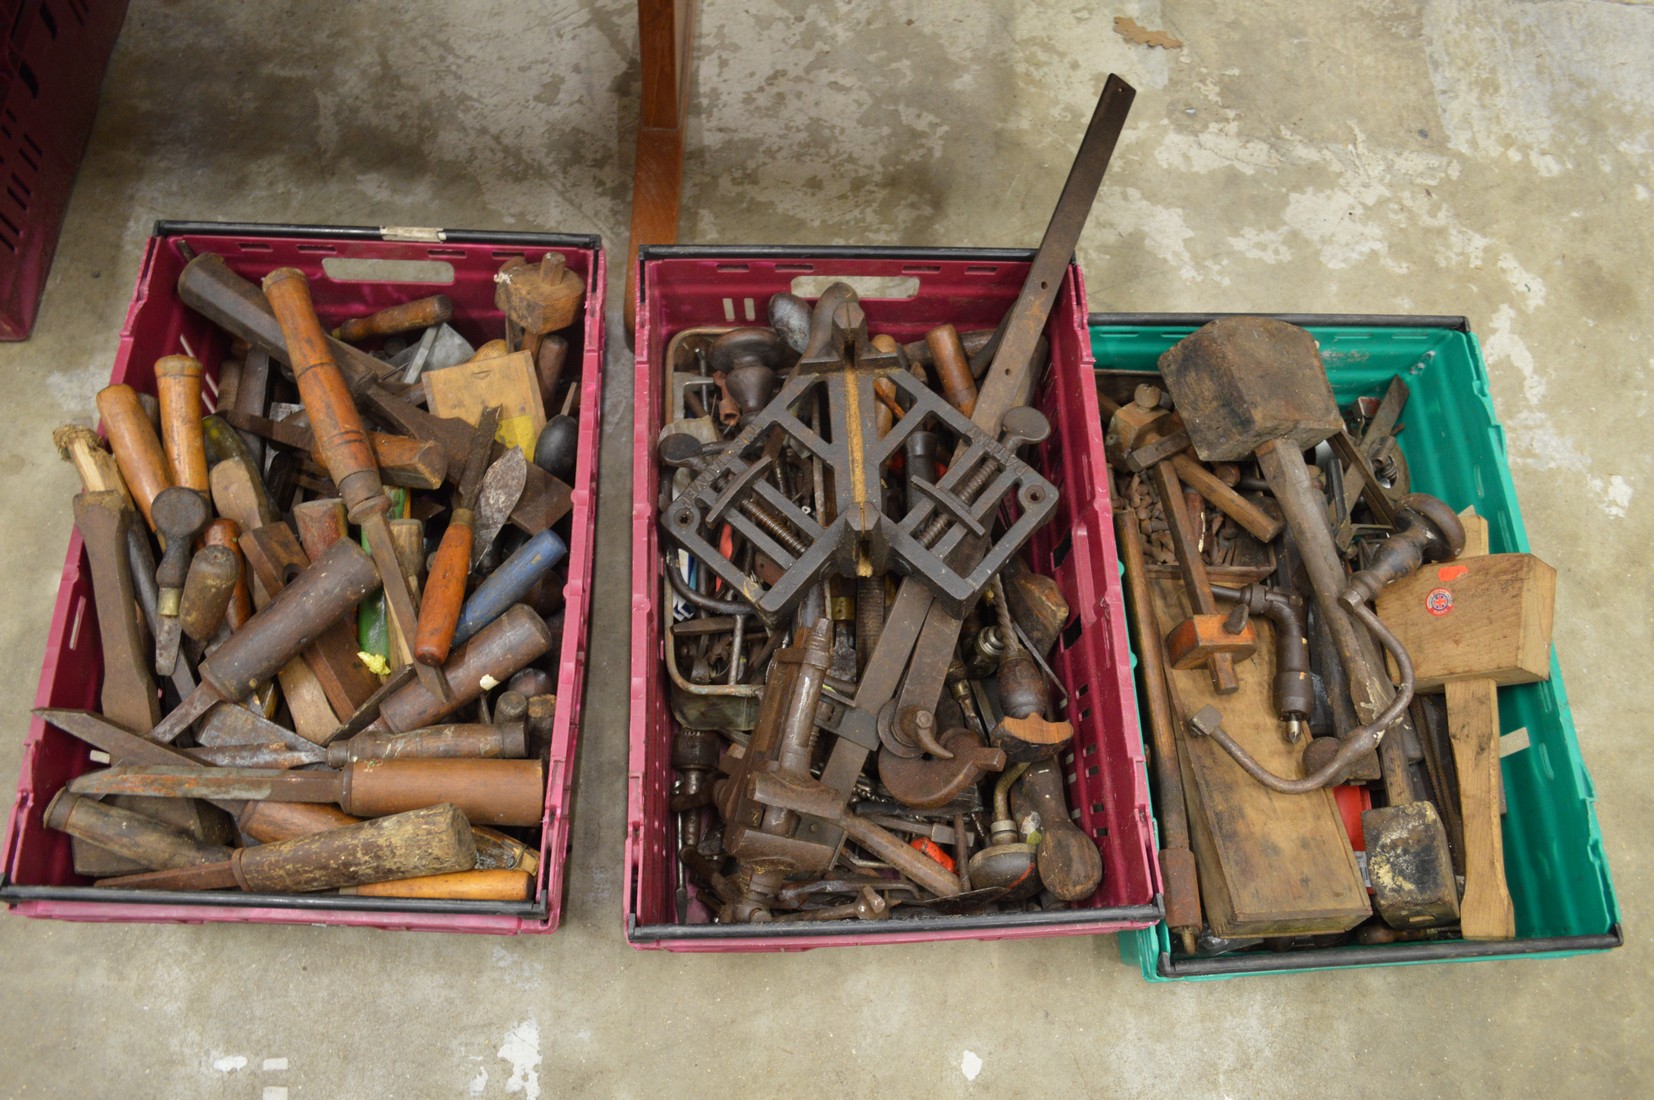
<point>445,586</point>
<point>490,792</point>
<point>343,443</point>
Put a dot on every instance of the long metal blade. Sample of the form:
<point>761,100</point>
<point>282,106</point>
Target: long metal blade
<point>1009,381</point>
<point>171,781</point>
<point>476,463</point>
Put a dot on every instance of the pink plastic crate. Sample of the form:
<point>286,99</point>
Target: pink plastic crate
<point>681,288</point>
<point>53,69</point>
<point>39,878</point>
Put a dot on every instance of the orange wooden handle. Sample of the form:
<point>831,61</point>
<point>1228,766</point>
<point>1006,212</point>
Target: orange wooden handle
<point>488,792</point>
<point>419,313</point>
<point>444,592</point>
<point>137,448</point>
<point>178,385</point>
<point>227,533</point>
<point>490,885</point>
<point>337,426</point>
<point>953,370</point>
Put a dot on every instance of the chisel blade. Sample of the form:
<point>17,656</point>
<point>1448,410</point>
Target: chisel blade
<point>172,781</point>
<point>502,485</point>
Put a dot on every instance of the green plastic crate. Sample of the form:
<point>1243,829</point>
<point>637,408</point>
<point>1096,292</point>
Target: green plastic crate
<point>1455,448</point>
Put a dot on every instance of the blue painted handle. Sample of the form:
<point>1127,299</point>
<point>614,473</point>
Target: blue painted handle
<point>510,582</point>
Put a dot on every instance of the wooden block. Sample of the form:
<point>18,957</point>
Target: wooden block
<point>1474,617</point>
<point>1193,641</point>
<point>508,381</point>
<point>1270,863</point>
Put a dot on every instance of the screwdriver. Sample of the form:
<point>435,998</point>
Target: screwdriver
<point>344,445</point>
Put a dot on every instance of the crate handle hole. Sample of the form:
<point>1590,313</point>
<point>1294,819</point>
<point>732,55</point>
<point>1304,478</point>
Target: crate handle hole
<point>352,269</point>
<point>865,286</point>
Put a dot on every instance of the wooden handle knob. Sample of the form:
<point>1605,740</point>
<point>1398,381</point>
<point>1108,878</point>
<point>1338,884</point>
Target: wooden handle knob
<point>178,385</point>
<point>137,448</point>
<point>444,592</point>
<point>227,533</point>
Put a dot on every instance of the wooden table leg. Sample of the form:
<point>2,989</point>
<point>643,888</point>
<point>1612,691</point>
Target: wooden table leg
<point>665,32</point>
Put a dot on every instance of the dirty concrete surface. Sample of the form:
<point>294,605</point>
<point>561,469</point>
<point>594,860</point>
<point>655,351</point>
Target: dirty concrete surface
<point>1439,156</point>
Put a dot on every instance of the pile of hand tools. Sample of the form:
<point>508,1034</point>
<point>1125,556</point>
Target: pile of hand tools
<point>867,725</point>
<point>1291,618</point>
<point>328,601</point>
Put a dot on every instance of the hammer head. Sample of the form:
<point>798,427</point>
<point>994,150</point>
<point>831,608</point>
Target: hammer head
<point>1241,382</point>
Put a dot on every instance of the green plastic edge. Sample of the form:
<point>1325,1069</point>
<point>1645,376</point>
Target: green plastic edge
<point>1348,352</point>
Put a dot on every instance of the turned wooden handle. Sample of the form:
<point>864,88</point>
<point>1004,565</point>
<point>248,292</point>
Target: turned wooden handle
<point>444,591</point>
<point>334,421</point>
<point>419,313</point>
<point>137,448</point>
<point>490,792</point>
<point>495,885</point>
<point>953,370</point>
<point>178,385</point>
<point>227,533</point>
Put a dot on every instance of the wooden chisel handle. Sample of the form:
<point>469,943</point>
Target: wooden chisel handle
<point>489,792</point>
<point>337,426</point>
<point>226,533</point>
<point>444,591</point>
<point>137,448</point>
<point>419,313</point>
<point>178,385</point>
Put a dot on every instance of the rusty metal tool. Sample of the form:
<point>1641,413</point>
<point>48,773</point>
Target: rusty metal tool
<point>1177,860</point>
<point>463,741</point>
<point>406,317</point>
<point>502,486</point>
<point>343,443</point>
<point>1009,381</point>
<point>490,792</point>
<point>1293,692</point>
<point>180,515</point>
<point>209,287</point>
<point>1257,386</point>
<point>930,783</point>
<point>315,600</point>
<point>445,587</point>
<point>263,821</point>
<point>430,841</point>
<point>860,536</point>
<point>128,695</point>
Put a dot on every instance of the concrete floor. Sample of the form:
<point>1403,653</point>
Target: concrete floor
<point>1441,156</point>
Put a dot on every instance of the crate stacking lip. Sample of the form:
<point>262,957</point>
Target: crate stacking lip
<point>39,880</point>
<point>681,287</point>
<point>1455,449</point>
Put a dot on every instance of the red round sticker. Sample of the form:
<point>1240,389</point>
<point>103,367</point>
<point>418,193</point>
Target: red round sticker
<point>1439,601</point>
